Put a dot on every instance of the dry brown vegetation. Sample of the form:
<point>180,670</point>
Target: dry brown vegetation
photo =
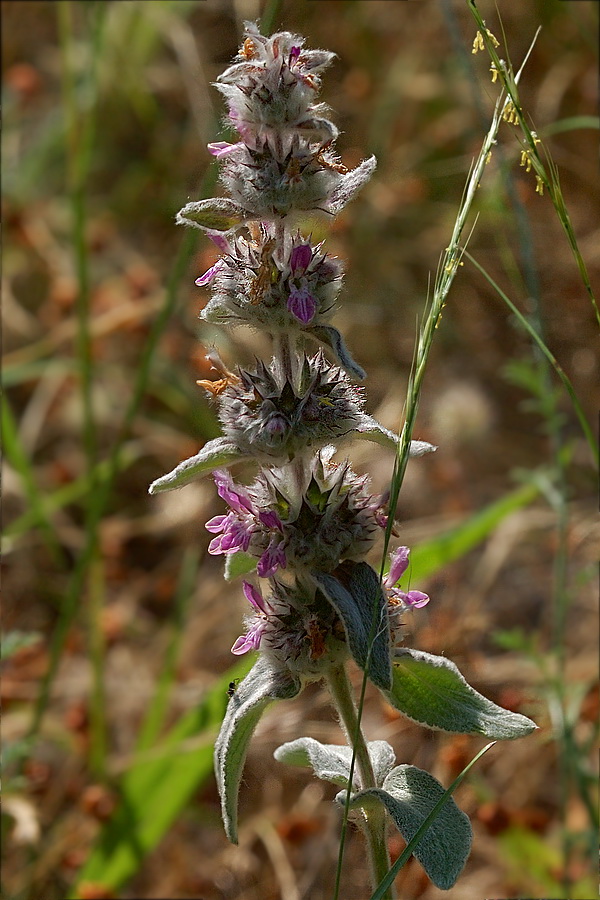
<point>101,595</point>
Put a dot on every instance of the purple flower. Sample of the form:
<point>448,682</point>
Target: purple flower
<point>272,559</point>
<point>302,304</point>
<point>223,148</point>
<point>210,273</point>
<point>251,640</point>
<point>270,519</point>
<point>235,534</point>
<point>220,240</point>
<point>234,496</point>
<point>412,599</point>
<point>398,567</point>
<point>300,258</point>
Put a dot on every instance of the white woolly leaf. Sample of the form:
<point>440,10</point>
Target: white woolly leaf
<point>431,690</point>
<point>215,214</point>
<point>331,762</point>
<point>409,795</point>
<point>362,607</point>
<point>215,453</point>
<point>371,430</point>
<point>350,184</point>
<point>332,338</point>
<point>260,687</point>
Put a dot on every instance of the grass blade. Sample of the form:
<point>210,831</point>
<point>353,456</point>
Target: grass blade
<point>156,788</point>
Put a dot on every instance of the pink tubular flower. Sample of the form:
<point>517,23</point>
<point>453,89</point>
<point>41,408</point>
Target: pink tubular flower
<point>272,559</point>
<point>251,640</point>
<point>210,273</point>
<point>223,148</point>
<point>300,258</point>
<point>234,496</point>
<point>302,304</point>
<point>219,240</point>
<point>270,519</point>
<point>410,599</point>
<point>233,534</point>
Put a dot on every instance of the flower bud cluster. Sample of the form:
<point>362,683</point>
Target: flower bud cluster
<point>332,518</point>
<point>295,626</point>
<point>262,413</point>
<point>252,285</point>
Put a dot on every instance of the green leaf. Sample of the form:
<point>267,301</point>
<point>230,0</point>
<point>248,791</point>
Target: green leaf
<point>237,564</point>
<point>260,687</point>
<point>331,337</point>
<point>429,558</point>
<point>409,795</point>
<point>331,762</point>
<point>13,641</point>
<point>362,607</point>
<point>431,690</point>
<point>156,788</point>
<point>216,214</point>
<point>216,453</point>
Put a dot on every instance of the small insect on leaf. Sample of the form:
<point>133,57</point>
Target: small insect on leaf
<point>232,686</point>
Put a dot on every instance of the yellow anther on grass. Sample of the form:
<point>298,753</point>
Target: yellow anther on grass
<point>539,185</point>
<point>494,72</point>
<point>478,43</point>
<point>510,113</point>
<point>526,160</point>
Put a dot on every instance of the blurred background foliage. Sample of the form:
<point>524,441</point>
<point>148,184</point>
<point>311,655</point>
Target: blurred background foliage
<point>117,626</point>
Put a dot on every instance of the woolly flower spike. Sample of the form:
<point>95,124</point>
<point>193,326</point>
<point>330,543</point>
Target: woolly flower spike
<point>296,627</point>
<point>307,178</point>
<point>334,518</point>
<point>263,414</point>
<point>273,87</point>
<point>252,285</point>
<point>284,162</point>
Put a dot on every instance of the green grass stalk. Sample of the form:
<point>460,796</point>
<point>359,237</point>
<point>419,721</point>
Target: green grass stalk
<point>547,176</point>
<point>524,322</point>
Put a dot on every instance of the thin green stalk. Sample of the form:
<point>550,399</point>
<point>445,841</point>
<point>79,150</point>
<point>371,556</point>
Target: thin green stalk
<point>99,499</point>
<point>62,496</point>
<point>97,646</point>
<point>78,102</point>
<point>374,824</point>
<point>585,426</point>
<point>450,262</point>
<point>269,16</point>
<point>17,457</point>
<point>547,177</point>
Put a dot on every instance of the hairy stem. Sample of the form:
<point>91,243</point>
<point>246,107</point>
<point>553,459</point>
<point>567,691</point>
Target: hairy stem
<point>374,822</point>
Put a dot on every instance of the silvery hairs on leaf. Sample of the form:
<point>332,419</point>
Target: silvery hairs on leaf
<point>409,795</point>
<point>431,690</point>
<point>331,762</point>
<point>261,686</point>
<point>355,593</point>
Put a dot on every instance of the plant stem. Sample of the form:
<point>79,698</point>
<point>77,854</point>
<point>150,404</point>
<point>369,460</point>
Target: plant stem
<point>374,822</point>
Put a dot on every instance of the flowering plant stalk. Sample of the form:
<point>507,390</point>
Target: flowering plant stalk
<point>300,532</point>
